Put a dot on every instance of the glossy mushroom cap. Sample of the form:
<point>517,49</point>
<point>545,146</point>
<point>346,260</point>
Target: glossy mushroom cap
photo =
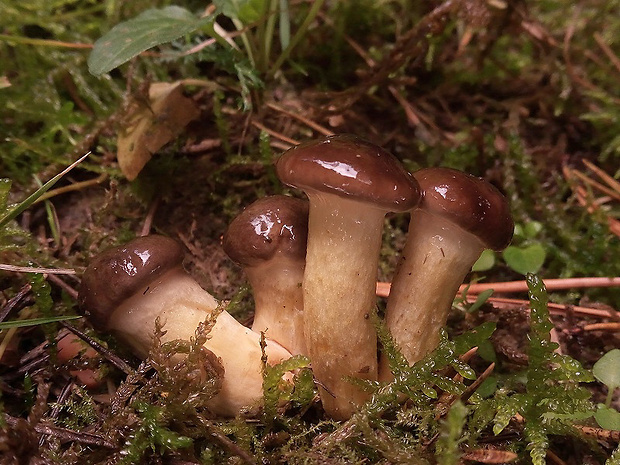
<point>470,202</point>
<point>118,273</point>
<point>348,166</point>
<point>271,226</point>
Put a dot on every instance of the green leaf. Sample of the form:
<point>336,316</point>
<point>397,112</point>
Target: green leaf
<point>607,417</point>
<point>485,261</point>
<point>149,29</point>
<point>531,229</point>
<point>248,11</point>
<point>526,259</point>
<point>607,369</point>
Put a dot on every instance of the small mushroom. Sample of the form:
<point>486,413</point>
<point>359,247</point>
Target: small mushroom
<point>125,289</point>
<point>70,348</point>
<point>351,185</point>
<point>268,239</point>
<point>459,216</point>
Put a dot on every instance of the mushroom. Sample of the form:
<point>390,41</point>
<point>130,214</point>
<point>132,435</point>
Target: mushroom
<point>69,349</point>
<point>458,217</point>
<point>268,239</point>
<point>126,289</point>
<point>351,185</point>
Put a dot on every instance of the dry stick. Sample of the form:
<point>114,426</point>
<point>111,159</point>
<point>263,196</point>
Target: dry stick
<point>383,289</point>
<point>13,301</point>
<point>76,186</point>
<point>607,50</point>
<point>489,455</point>
<point>476,384</point>
<point>597,433</point>
<point>592,205</point>
<point>570,69</point>
<point>411,114</point>
<point>615,185</point>
<point>273,133</point>
<point>108,354</point>
<point>448,400</point>
<point>63,434</point>
<point>554,458</point>
<point>63,285</point>
<point>31,269</point>
<point>311,124</point>
<point>558,309</point>
<point>148,221</point>
<point>597,185</point>
<point>226,443</point>
<point>602,327</point>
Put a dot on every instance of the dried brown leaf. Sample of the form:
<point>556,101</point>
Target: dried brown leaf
<point>152,127</point>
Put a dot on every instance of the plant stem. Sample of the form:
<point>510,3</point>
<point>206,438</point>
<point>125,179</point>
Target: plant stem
<point>314,10</point>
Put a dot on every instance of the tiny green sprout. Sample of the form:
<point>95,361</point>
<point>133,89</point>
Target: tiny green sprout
<point>480,300</point>
<point>525,259</point>
<point>485,262</point>
<point>525,255</point>
<point>450,437</point>
<point>607,371</point>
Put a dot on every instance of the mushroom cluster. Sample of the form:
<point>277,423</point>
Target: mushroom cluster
<point>313,266</point>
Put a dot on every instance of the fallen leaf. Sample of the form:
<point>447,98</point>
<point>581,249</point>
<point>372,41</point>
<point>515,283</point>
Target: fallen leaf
<point>149,129</point>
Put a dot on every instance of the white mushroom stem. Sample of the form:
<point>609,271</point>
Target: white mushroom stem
<point>436,258</point>
<point>181,305</point>
<point>278,298</point>
<point>344,241</point>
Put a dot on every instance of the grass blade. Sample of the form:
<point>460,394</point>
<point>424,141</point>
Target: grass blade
<point>32,198</point>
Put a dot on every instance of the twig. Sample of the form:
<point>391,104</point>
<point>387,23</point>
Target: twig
<point>615,185</point>
<point>13,301</point>
<point>595,184</point>
<point>63,434</point>
<point>602,327</point>
<point>311,124</point>
<point>108,354</point>
<point>383,289</point>
<point>76,186</point>
<point>554,458</point>
<point>607,50</point>
<point>476,384</point>
<point>489,456</point>
<point>42,42</point>
<point>63,285</point>
<point>225,442</point>
<point>558,309</point>
<point>273,133</point>
<point>31,269</point>
<point>148,221</point>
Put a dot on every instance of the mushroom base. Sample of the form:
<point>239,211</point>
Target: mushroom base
<point>344,240</point>
<point>437,257</point>
<point>181,305</point>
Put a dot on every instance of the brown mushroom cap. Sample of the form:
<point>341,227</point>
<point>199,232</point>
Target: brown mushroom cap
<point>348,166</point>
<point>118,273</point>
<point>275,225</point>
<point>468,201</point>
